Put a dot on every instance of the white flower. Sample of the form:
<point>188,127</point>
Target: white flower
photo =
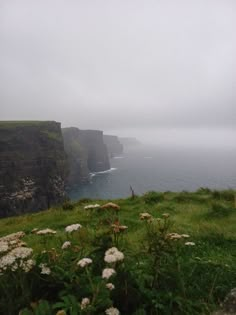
<point>3,247</point>
<point>45,270</point>
<point>92,206</point>
<point>27,265</point>
<point>112,311</point>
<point>21,252</point>
<point>185,235</point>
<point>7,261</point>
<point>66,245</point>
<point>84,303</point>
<point>113,255</point>
<point>110,286</point>
<point>145,216</point>
<point>73,227</point>
<point>12,236</point>
<point>84,262</point>
<point>107,273</point>
<point>189,243</point>
<point>46,231</point>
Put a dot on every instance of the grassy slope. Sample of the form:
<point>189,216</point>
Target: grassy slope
<point>191,214</point>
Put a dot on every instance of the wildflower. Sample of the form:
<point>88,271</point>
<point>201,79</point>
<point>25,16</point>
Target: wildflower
<point>110,286</point>
<point>27,265</point>
<point>13,236</point>
<point>112,311</point>
<point>66,245</point>
<point>84,262</point>
<point>7,261</point>
<point>92,206</point>
<point>110,205</point>
<point>185,235</point>
<point>107,273</point>
<point>189,243</point>
<point>165,215</point>
<point>174,236</point>
<point>113,255</point>
<point>84,303</point>
<point>21,252</point>
<point>46,231</point>
<point>118,228</point>
<point>45,270</point>
<point>3,247</point>
<point>73,227</point>
<point>145,216</point>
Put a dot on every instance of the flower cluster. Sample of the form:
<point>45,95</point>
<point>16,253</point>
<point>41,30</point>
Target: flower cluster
<point>110,205</point>
<point>15,256</point>
<point>145,216</point>
<point>107,273</point>
<point>92,206</point>
<point>66,245</point>
<point>112,311</point>
<point>46,231</point>
<point>117,228</point>
<point>73,227</point>
<point>45,270</point>
<point>110,286</point>
<point>84,262</point>
<point>113,255</point>
<point>84,303</point>
<point>176,236</point>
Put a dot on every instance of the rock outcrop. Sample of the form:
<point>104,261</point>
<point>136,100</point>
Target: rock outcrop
<point>86,152</point>
<point>32,166</point>
<point>113,144</point>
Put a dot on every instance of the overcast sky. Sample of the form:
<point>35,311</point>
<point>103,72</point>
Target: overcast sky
<point>120,65</point>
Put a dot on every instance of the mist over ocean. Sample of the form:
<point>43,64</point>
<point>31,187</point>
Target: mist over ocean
<point>159,168</point>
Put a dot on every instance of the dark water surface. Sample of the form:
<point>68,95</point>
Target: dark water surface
<point>157,168</point>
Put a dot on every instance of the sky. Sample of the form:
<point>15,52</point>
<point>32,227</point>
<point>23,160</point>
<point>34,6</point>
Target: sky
<point>163,67</point>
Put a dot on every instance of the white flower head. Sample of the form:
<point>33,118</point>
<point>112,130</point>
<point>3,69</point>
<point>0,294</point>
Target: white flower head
<point>110,286</point>
<point>3,247</point>
<point>84,262</point>
<point>113,255</point>
<point>46,231</point>
<point>66,245</point>
<point>73,227</point>
<point>107,273</point>
<point>84,303</point>
<point>92,206</point>
<point>45,270</point>
<point>112,311</point>
<point>189,243</point>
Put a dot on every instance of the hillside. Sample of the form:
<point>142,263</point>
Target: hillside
<point>176,255</point>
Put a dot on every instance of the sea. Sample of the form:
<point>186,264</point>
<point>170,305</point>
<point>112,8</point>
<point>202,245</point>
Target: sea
<point>160,168</point>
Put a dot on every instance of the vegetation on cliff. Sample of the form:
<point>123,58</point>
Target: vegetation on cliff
<point>161,253</point>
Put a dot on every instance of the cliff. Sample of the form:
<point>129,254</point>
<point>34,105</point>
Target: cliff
<point>86,152</point>
<point>113,144</point>
<point>32,166</point>
<point>77,156</point>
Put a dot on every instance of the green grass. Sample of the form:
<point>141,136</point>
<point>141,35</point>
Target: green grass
<point>209,217</point>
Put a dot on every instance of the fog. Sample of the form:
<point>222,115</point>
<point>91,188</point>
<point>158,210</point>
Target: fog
<point>163,71</point>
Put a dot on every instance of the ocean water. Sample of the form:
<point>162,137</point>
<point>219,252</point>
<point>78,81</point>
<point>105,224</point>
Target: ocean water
<point>156,168</point>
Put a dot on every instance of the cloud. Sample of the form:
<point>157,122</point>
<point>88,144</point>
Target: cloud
<point>119,64</point>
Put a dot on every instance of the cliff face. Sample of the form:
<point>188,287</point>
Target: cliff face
<point>86,152</point>
<point>98,159</point>
<point>32,166</point>
<point>113,144</point>
<point>77,157</point>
